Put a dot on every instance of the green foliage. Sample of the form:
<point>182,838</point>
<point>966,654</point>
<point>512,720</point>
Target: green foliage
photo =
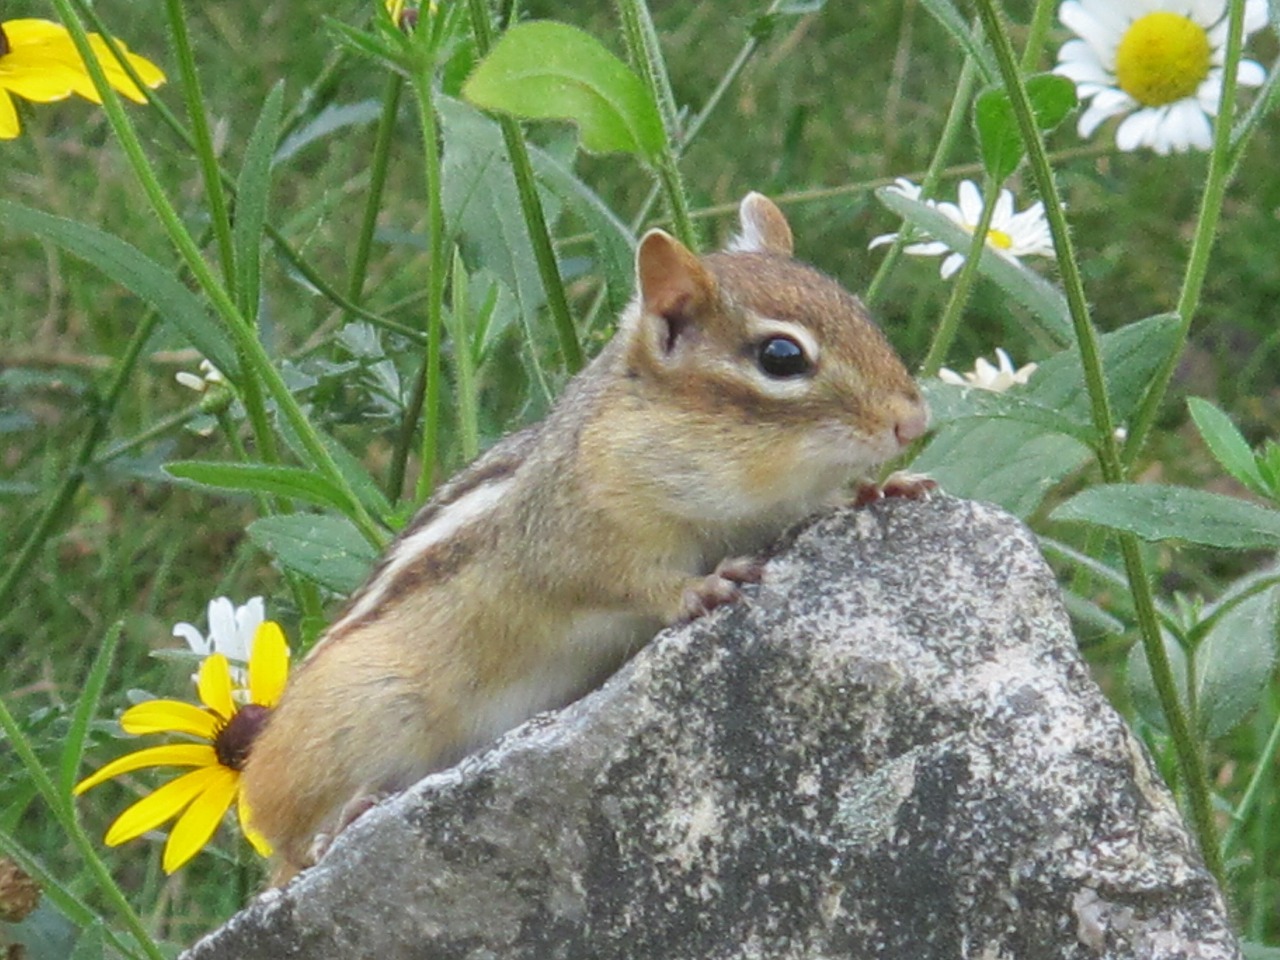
<point>543,69</point>
<point>1052,98</point>
<point>129,501</point>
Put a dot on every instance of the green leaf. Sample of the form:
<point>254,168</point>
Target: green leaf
<point>950,403</point>
<point>1012,464</point>
<point>1043,299</point>
<point>614,244</point>
<point>292,482</point>
<point>1159,512</point>
<point>1234,662</point>
<point>971,41</point>
<point>252,189</point>
<point>542,69</point>
<point>324,548</point>
<point>1227,445</point>
<point>1130,356</point>
<point>1142,688</point>
<point>1052,98</point>
<point>86,709</point>
<point>129,267</point>
<point>1015,464</point>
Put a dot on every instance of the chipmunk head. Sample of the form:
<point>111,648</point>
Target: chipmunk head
<point>781,384</point>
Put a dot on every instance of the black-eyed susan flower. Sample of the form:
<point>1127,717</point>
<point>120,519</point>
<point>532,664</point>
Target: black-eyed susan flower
<point>223,730</point>
<point>39,62</point>
<point>1159,61</point>
<point>1012,235</point>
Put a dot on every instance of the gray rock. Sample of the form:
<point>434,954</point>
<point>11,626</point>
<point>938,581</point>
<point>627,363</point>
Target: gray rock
<point>891,750</point>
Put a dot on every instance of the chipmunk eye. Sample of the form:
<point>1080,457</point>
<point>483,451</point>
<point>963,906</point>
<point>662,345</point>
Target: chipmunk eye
<point>782,357</point>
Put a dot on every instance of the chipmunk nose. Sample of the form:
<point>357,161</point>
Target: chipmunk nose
<point>911,425</point>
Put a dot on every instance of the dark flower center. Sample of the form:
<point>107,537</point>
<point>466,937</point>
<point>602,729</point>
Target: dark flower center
<point>231,744</point>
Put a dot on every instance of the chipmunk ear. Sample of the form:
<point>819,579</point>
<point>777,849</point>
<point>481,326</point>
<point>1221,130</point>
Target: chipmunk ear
<point>764,228</point>
<point>675,288</point>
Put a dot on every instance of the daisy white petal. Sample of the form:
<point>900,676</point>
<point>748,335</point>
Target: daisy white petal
<point>1158,61</point>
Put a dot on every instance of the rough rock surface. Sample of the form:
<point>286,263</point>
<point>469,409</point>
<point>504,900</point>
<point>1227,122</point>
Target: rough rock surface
<point>891,750</point>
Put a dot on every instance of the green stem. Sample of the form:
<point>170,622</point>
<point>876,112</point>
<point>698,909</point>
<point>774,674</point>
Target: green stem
<point>946,141</point>
<point>951,316</point>
<point>377,182</point>
<point>1041,20</point>
<point>531,207</point>
<point>1219,176</point>
<point>1263,771</point>
<point>64,812</point>
<point>438,247</point>
<point>241,332</point>
<point>646,56</point>
<point>1189,760</point>
<point>219,212</point>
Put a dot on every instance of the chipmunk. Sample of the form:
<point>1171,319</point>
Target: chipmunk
<point>743,391</point>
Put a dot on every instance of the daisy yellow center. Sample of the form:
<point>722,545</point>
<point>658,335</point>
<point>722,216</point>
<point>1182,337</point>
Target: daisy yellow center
<point>1162,58</point>
<point>999,239</point>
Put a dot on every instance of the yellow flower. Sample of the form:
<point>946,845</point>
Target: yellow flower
<point>39,62</point>
<point>200,798</point>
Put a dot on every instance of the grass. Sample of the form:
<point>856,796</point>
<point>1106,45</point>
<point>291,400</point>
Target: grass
<point>836,101</point>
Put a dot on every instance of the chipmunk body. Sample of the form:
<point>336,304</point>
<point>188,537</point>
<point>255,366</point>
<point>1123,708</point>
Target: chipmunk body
<point>742,392</point>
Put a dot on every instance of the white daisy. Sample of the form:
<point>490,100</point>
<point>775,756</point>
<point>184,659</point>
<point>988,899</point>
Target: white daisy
<point>1160,61</point>
<point>998,379</point>
<point>231,632</point>
<point>1012,235</point>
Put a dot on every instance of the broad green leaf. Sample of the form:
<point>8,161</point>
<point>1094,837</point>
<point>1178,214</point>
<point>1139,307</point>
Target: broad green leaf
<point>949,403</point>
<point>970,40</point>
<point>1227,444</point>
<point>129,267</point>
<point>1159,512</point>
<point>323,548</point>
<point>1130,356</point>
<point>546,70</point>
<point>293,482</point>
<point>1052,98</point>
<point>252,189</point>
<point>1008,463</point>
<point>1016,464</point>
<point>1046,303</point>
<point>1234,662</point>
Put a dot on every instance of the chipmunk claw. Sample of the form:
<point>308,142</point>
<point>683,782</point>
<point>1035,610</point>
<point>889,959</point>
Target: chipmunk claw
<point>911,486</point>
<point>720,587</point>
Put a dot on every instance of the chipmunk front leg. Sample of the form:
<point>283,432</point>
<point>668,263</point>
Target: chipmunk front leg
<point>721,586</point>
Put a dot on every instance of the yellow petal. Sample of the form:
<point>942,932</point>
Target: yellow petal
<point>268,664</point>
<point>169,755</point>
<point>9,125</point>
<point>147,71</point>
<point>165,804</point>
<point>258,841</point>
<point>169,716</point>
<point>43,64</point>
<point>42,80</point>
<point>196,825</point>
<point>214,685</point>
